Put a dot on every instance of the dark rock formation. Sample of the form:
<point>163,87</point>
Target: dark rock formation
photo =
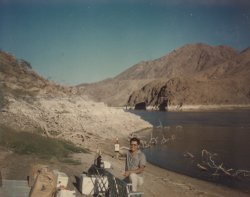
<point>140,106</point>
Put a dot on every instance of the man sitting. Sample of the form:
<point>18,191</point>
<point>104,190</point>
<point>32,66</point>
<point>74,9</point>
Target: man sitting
<point>135,164</point>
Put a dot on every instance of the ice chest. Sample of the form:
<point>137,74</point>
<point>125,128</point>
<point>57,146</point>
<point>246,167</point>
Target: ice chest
<point>106,164</point>
<point>65,193</point>
<point>87,184</point>
<point>62,179</point>
<point>90,185</point>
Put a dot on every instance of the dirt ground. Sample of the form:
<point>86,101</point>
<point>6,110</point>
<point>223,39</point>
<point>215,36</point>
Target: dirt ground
<point>158,182</point>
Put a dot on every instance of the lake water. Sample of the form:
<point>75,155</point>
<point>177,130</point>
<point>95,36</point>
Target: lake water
<point>212,146</point>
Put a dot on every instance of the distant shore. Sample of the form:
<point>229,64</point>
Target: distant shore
<point>208,107</point>
<point>212,107</point>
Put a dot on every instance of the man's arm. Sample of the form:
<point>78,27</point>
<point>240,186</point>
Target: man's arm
<point>136,171</point>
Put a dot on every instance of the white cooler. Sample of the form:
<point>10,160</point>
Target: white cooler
<point>106,164</point>
<point>65,193</point>
<point>62,179</point>
<point>93,185</point>
<point>87,184</point>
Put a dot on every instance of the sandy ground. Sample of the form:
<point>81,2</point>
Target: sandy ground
<point>158,182</point>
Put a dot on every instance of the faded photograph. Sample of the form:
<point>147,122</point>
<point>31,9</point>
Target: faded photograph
<point>135,98</point>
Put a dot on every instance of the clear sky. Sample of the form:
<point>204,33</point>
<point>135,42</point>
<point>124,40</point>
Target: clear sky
<point>79,41</point>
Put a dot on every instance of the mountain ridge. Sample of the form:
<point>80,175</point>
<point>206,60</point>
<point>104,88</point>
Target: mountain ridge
<point>212,66</point>
<point>167,66</point>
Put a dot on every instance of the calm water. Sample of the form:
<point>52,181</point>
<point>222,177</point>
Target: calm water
<point>225,133</point>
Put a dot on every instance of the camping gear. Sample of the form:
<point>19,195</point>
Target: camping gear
<point>35,170</point>
<point>106,164</point>
<point>87,184</point>
<point>90,185</point>
<point>14,188</point>
<point>44,185</point>
<point>65,193</point>
<point>61,179</point>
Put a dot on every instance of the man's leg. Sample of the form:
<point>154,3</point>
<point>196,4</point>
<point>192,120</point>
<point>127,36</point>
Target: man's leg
<point>140,180</point>
<point>135,180</point>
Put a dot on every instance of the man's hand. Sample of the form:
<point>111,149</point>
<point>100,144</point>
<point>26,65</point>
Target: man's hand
<point>136,171</point>
<point>127,173</point>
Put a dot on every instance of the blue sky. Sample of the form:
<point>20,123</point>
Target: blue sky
<point>79,41</point>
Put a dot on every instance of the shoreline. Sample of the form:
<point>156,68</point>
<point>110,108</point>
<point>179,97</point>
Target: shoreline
<point>160,182</point>
<point>177,185</point>
<point>208,107</point>
<point>194,108</point>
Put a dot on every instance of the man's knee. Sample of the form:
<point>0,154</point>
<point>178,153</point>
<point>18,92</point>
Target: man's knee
<point>133,177</point>
<point>140,181</point>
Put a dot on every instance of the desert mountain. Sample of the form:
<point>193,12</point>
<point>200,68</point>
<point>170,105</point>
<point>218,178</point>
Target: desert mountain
<point>195,74</point>
<point>237,67</point>
<point>18,78</point>
<point>31,103</point>
<point>186,61</point>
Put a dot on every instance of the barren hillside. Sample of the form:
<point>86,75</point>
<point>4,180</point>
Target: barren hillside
<point>31,103</point>
<point>19,79</point>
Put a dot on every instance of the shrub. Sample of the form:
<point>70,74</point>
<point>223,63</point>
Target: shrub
<point>32,143</point>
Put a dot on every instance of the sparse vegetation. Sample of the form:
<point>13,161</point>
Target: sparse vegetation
<point>70,161</point>
<point>31,143</point>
